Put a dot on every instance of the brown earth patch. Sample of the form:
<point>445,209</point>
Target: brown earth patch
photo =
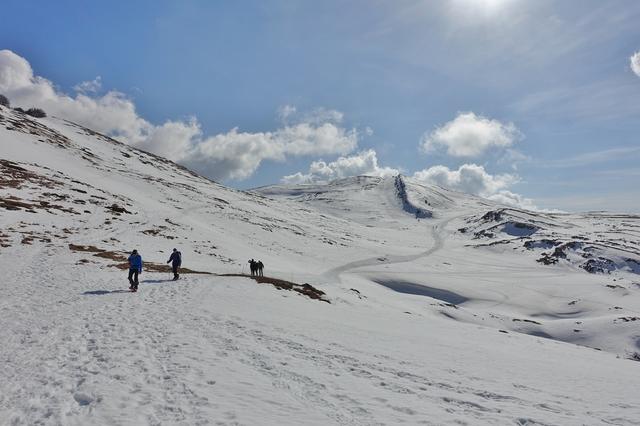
<point>156,231</point>
<point>121,258</point>
<point>23,124</point>
<point>150,266</point>
<point>90,249</point>
<point>11,203</point>
<point>305,289</point>
<point>15,203</point>
<point>4,240</point>
<point>116,209</point>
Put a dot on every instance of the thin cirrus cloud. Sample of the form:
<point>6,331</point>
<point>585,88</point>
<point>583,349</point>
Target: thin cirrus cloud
<point>594,157</point>
<point>230,155</point>
<point>470,135</point>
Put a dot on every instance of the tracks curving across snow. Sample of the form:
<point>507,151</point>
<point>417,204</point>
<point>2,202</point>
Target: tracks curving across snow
<point>438,242</point>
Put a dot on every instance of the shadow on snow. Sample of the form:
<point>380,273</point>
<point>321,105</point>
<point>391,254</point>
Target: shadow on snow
<point>103,292</point>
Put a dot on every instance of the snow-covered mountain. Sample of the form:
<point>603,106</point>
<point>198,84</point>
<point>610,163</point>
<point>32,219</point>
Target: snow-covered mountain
<point>444,308</point>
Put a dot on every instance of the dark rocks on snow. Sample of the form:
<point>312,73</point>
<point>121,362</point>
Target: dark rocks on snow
<point>599,265</point>
<point>544,243</point>
<point>117,209</point>
<point>492,216</point>
<point>407,206</point>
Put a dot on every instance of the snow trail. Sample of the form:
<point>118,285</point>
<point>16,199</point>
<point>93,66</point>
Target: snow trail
<point>437,230</point>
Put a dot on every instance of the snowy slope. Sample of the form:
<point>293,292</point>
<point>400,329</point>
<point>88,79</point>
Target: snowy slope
<point>440,312</point>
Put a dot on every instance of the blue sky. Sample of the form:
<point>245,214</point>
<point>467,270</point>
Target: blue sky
<point>540,94</point>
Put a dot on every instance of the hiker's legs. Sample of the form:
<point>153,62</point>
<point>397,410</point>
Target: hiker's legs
<point>175,271</point>
<point>131,271</point>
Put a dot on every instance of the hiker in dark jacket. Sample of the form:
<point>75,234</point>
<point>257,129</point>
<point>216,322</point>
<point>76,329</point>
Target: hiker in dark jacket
<point>176,261</point>
<point>135,268</point>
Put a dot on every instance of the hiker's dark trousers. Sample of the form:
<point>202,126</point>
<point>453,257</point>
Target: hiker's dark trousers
<point>133,277</point>
<point>174,268</point>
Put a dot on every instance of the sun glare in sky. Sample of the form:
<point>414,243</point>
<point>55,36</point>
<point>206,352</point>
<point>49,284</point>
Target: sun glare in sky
<point>487,6</point>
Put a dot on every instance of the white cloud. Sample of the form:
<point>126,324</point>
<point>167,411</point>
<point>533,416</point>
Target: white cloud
<point>474,179</point>
<point>516,200</point>
<point>286,111</point>
<point>112,113</point>
<point>470,178</point>
<point>362,163</point>
<point>233,154</point>
<point>289,114</point>
<point>513,158</point>
<point>635,63</point>
<point>321,115</point>
<point>93,86</point>
<point>237,155</point>
<point>470,135</point>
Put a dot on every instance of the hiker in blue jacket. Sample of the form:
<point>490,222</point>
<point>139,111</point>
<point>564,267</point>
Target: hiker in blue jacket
<point>135,268</point>
<point>176,261</point>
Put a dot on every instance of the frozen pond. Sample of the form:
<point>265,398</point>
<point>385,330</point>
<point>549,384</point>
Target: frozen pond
<point>423,290</point>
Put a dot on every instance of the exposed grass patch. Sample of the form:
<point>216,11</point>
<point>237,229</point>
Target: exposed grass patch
<point>305,289</point>
<point>120,257</point>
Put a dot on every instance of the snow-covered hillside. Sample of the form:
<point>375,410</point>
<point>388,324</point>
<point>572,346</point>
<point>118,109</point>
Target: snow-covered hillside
<point>444,308</point>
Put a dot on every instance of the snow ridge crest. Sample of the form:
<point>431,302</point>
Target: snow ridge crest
<point>407,204</point>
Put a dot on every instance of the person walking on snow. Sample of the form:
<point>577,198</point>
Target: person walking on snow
<point>176,261</point>
<point>135,268</point>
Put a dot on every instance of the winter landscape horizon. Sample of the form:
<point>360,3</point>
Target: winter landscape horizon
<point>303,213</point>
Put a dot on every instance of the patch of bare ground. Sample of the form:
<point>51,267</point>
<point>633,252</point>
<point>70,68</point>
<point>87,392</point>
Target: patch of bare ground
<point>117,209</point>
<point>172,223</point>
<point>14,176</point>
<point>22,123</point>
<point>120,257</point>
<point>15,203</point>
<point>304,289</point>
<point>4,240</point>
<point>159,230</point>
<point>157,267</point>
<point>89,249</point>
<point>29,237</point>
<point>526,320</point>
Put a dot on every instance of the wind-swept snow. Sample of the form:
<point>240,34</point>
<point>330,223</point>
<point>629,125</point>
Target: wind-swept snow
<point>472,314</point>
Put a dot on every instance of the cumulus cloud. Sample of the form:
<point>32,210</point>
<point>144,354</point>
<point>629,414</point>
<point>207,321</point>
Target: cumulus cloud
<point>92,86</point>
<point>470,135</point>
<point>635,63</point>
<point>362,163</point>
<point>470,178</point>
<point>237,155</point>
<point>516,200</point>
<point>474,179</point>
<point>231,155</point>
<point>113,113</point>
